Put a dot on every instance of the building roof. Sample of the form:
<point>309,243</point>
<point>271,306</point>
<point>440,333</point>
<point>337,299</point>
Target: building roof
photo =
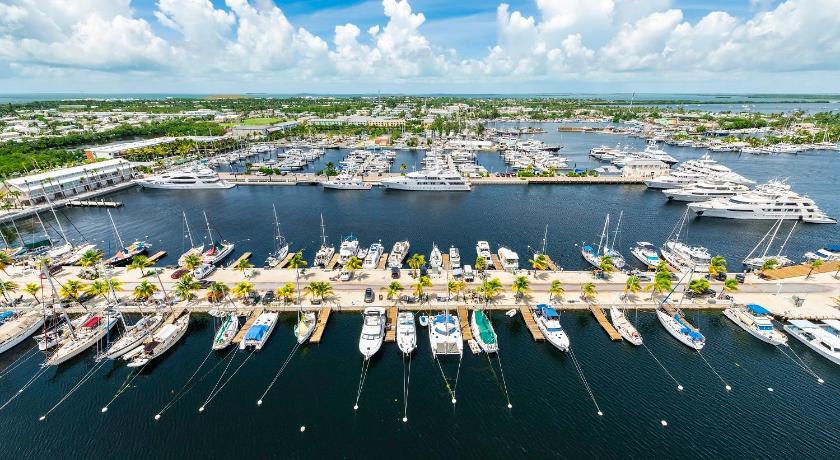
<point>37,178</point>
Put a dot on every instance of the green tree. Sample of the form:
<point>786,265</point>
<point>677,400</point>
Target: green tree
<point>632,286</point>
<point>539,262</point>
<point>5,261</point>
<point>606,265</point>
<point>318,289</point>
<point>192,261</point>
<point>186,286</point>
<point>480,263</point>
<point>32,289</point>
<point>422,283</point>
<point>588,291</point>
<point>144,290</point>
<point>556,290</point>
<point>71,290</point>
<point>243,264</point>
<point>520,286</point>
<point>717,264</point>
<point>769,264</point>
<point>217,291</point>
<point>286,292</point>
<point>393,290</point>
<point>416,261</point>
<point>815,264</point>
<point>698,286</point>
<point>456,287</point>
<point>242,289</point>
<point>353,263</point>
<point>489,289</point>
<point>730,285</point>
<point>140,262</point>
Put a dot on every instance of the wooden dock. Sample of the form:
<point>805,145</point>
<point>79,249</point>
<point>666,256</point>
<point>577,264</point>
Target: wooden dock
<point>446,264</point>
<point>602,320</point>
<point>245,256</point>
<point>286,260</point>
<point>382,261</point>
<point>156,256</point>
<point>464,319</point>
<point>799,270</point>
<point>94,204</point>
<point>176,312</point>
<point>248,323</point>
<point>551,265</point>
<point>323,317</point>
<point>525,312</point>
<point>497,264</point>
<point>333,262</point>
<point>391,331</point>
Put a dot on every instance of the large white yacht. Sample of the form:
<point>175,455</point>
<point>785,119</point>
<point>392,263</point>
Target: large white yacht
<point>398,253</point>
<point>373,331</point>
<point>704,191</point>
<point>822,338</point>
<point>756,320</point>
<point>548,321</point>
<point>349,248</point>
<point>428,180</point>
<point>770,201</point>
<point>509,259</point>
<point>482,249</point>
<point>346,182</point>
<point>695,170</point>
<point>192,177</point>
<point>373,255</point>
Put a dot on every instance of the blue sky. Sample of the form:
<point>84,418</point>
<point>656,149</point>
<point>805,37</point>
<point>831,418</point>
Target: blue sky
<point>420,45</point>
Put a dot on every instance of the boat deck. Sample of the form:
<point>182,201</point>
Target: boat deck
<point>391,331</point>
<point>464,319</point>
<point>497,264</point>
<point>598,312</point>
<point>157,256</point>
<point>525,312</point>
<point>446,264</point>
<point>323,317</point>
<point>286,260</point>
<point>800,270</point>
<point>248,323</point>
<point>382,261</point>
<point>333,262</point>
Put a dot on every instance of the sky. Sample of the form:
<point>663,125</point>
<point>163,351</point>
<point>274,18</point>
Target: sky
<point>419,46</point>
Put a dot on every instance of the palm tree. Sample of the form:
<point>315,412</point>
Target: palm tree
<point>71,290</point>
<point>520,286</point>
<point>98,288</point>
<point>242,265</point>
<point>633,285</point>
<point>769,264</point>
<point>242,289</point>
<point>539,262</point>
<point>286,291</point>
<point>393,290</point>
<point>480,263</point>
<point>297,263</point>
<point>185,286</point>
<point>588,291</point>
<point>556,291</point>
<point>698,286</point>
<point>217,291</point>
<point>5,261</point>
<point>91,257</point>
<point>717,264</point>
<point>416,261</point>
<point>489,289</point>
<point>6,287</point>
<point>606,265</point>
<point>353,263</point>
<point>192,261</point>
<point>140,262</point>
<point>815,264</point>
<point>422,283</point>
<point>319,289</point>
<point>32,289</point>
<point>730,285</point>
<point>144,290</point>
<point>456,287</point>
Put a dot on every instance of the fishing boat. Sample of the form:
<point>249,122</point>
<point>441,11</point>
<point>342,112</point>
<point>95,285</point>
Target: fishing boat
<point>226,332</point>
<point>194,250</point>
<point>756,320</point>
<point>483,332</point>
<point>445,334</point>
<point>373,331</point>
<point>821,338</point>
<point>596,256</point>
<point>134,336</point>
<point>325,252</point>
<point>163,339</point>
<point>548,322</point>
<point>125,253</point>
<point>305,326</point>
<point>435,257</point>
<point>16,327</point>
<point>84,337</point>
<point>218,250</point>
<point>756,261</point>
<point>674,322</point>
<point>454,257</point>
<point>373,255</point>
<point>624,326</point>
<point>257,335</point>
<point>398,253</point>
<point>406,332</point>
<point>646,253</point>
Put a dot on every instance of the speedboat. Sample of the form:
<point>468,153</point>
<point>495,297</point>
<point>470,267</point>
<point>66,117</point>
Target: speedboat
<point>84,337</point>
<point>373,331</point>
<point>548,322</point>
<point>226,332</point>
<point>508,258</point>
<point>257,335</point>
<point>756,320</point>
<point>164,339</point>
<point>679,327</point>
<point>16,327</point>
<point>398,253</point>
<point>646,253</point>
<point>454,257</point>
<point>821,338</point>
<point>133,336</point>
<point>406,332</point>
<point>435,258</point>
<point>624,326</point>
<point>482,249</point>
<point>373,255</point>
<point>483,332</point>
<point>445,334</point>
<point>305,326</point>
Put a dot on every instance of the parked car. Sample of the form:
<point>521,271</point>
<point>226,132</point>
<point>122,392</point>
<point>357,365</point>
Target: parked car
<point>469,275</point>
<point>720,276</point>
<point>408,299</point>
<point>345,275</point>
<point>709,292</point>
<point>395,273</point>
<point>177,274</point>
<point>268,298</point>
<point>369,297</point>
<point>741,278</point>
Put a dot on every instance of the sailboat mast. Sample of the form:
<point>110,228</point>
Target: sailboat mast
<point>604,234</point>
<point>209,233</point>
<point>545,237</point>
<point>189,233</point>
<point>782,247</point>
<point>617,226</point>
<point>60,228</point>
<point>117,232</point>
<point>46,233</point>
<point>323,232</point>
<point>775,230</point>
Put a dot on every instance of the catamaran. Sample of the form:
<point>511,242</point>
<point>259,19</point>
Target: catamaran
<point>218,250</point>
<point>325,253</point>
<point>624,326</point>
<point>133,336</point>
<point>281,247</point>
<point>483,332</point>
<point>445,334</point>
<point>305,325</point>
<point>163,339</point>
<point>548,322</point>
<point>406,332</point>
<point>373,331</point>
<point>226,332</point>
<point>194,250</point>
<point>756,320</point>
<point>595,256</point>
<point>257,335</point>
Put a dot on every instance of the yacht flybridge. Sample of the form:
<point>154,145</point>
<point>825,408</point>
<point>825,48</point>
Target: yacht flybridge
<point>704,191</point>
<point>432,181</point>
<point>770,201</point>
<point>192,177</point>
<point>703,168</point>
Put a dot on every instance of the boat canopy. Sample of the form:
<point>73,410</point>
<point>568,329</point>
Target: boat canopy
<point>687,330</point>
<point>256,332</point>
<point>485,329</point>
<point>6,315</point>
<point>803,324</point>
<point>548,311</point>
<point>587,248</point>
<point>92,322</point>
<point>758,309</point>
<point>833,247</point>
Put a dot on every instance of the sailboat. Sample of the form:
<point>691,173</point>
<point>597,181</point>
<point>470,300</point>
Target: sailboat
<point>305,325</point>
<point>674,321</point>
<point>544,240</point>
<point>483,332</point>
<point>133,336</point>
<point>163,339</point>
<point>755,262</point>
<point>281,247</point>
<point>624,326</point>
<point>679,254</point>
<point>218,250</point>
<point>435,257</point>
<point>124,255</point>
<point>226,332</point>
<point>595,256</point>
<point>85,336</point>
<point>325,253</point>
<point>194,249</point>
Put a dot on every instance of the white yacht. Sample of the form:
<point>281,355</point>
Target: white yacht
<point>508,258</point>
<point>548,321</point>
<point>373,331</point>
<point>704,191</point>
<point>218,250</point>
<point>454,257</point>
<point>16,327</point>
<point>646,253</point>
<point>445,334</point>
<point>84,337</point>
<point>305,325</point>
<point>482,250</point>
<point>281,246</point>
<point>434,181</point>
<point>756,320</point>
<point>435,257</point>
<point>349,248</point>
<point>373,255</point>
<point>624,326</point>
<point>829,253</point>
<point>257,335</point>
<point>186,178</point>
<point>398,253</point>
<point>684,257</point>
<point>703,168</point>
<point>346,182</point>
<point>158,344</point>
<point>406,332</point>
<point>674,322</point>
<point>133,336</point>
<point>226,332</point>
<point>768,202</point>
<point>822,338</point>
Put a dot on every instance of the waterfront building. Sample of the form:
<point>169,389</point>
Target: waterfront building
<point>644,168</point>
<point>68,182</point>
<point>359,120</point>
<point>121,148</point>
<point>262,130</point>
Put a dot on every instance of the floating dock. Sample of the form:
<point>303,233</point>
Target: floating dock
<point>497,264</point>
<point>245,256</point>
<point>94,204</point>
<point>382,261</point>
<point>464,320</point>
<point>391,331</point>
<point>446,264</point>
<point>333,262</point>
<point>176,312</point>
<point>156,256</point>
<point>286,260</point>
<point>799,270</point>
<point>602,320</point>
<point>248,323</point>
<point>323,317</point>
<point>525,312</point>
<point>550,263</point>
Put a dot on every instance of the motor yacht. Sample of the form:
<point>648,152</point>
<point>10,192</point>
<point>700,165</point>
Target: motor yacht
<point>828,253</point>
<point>435,258</point>
<point>373,331</point>
<point>163,339</point>
<point>257,335</point>
<point>548,322</point>
<point>646,253</point>
<point>186,178</point>
<point>346,182</point>
<point>483,332</point>
<point>482,250</point>
<point>704,191</point>
<point>771,201</point>
<point>373,255</point>
<point>703,168</point>
<point>756,320</point>
<point>508,258</point>
<point>684,257</point>
<point>822,338</point>
<point>427,180</point>
<point>398,253</point>
<point>445,334</point>
<point>454,257</point>
<point>406,332</point>
<point>349,248</point>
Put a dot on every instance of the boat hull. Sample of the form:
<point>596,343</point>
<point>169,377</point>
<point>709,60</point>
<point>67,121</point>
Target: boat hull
<point>182,324</point>
<point>671,326</point>
<point>796,332</point>
<point>27,328</point>
<point>624,327</point>
<point>476,332</point>
<point>779,339</point>
<point>61,356</point>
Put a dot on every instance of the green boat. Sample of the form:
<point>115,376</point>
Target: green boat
<point>483,332</point>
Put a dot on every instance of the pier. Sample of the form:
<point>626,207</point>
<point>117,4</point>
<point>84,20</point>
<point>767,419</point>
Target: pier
<point>537,335</point>
<point>464,320</point>
<point>382,261</point>
<point>333,262</point>
<point>550,263</point>
<point>156,256</point>
<point>94,204</point>
<point>323,318</point>
<point>794,271</point>
<point>497,264</point>
<point>391,331</point>
<point>244,256</point>
<point>286,260</point>
<point>602,320</point>
<point>248,323</point>
<point>176,313</point>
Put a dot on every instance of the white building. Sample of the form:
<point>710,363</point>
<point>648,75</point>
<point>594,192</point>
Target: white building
<point>644,168</point>
<point>119,149</point>
<point>68,182</point>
